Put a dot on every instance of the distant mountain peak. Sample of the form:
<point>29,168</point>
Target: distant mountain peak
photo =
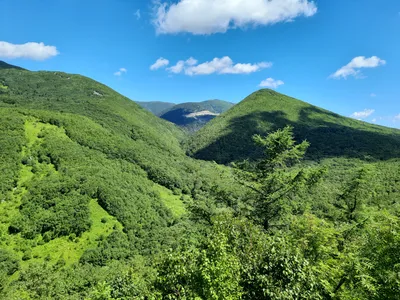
<point>156,107</point>
<point>194,115</point>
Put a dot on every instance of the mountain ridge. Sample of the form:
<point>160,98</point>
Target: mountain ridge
<point>4,65</point>
<point>228,137</point>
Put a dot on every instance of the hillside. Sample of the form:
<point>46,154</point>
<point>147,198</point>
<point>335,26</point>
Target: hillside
<point>156,107</point>
<point>87,175</point>
<point>55,121</point>
<point>194,115</point>
<point>229,137</point>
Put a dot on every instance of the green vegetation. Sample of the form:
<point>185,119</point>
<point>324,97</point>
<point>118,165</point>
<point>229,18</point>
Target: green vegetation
<point>156,107</point>
<point>173,202</point>
<point>265,111</point>
<point>98,200</point>
<point>68,194</point>
<point>193,115</point>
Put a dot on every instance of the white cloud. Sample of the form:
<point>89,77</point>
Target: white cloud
<point>374,120</point>
<point>178,68</point>
<point>373,95</point>
<point>181,65</point>
<point>31,50</point>
<point>191,61</point>
<point>217,16</point>
<point>160,63</point>
<point>362,114</point>
<point>352,68</point>
<point>397,118</point>
<point>137,14</point>
<point>222,65</point>
<point>271,83</point>
<point>120,72</point>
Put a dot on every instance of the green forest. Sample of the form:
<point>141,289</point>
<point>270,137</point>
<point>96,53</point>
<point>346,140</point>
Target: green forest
<point>273,199</point>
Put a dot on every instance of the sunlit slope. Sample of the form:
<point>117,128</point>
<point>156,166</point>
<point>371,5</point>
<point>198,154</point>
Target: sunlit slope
<point>66,93</point>
<point>228,137</point>
<point>86,173</point>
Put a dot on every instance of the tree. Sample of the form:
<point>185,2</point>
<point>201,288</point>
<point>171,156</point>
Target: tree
<point>357,193</point>
<point>275,180</point>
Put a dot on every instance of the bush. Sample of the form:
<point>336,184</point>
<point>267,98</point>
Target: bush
<point>27,255</point>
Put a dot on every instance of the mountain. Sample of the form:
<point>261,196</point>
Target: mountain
<point>156,107</point>
<point>194,115</point>
<point>229,137</point>
<point>83,168</point>
<point>51,124</point>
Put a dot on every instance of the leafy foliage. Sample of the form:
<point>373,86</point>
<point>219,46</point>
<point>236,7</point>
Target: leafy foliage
<point>273,182</point>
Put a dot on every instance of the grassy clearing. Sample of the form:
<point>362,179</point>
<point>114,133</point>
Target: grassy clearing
<point>69,248</point>
<point>173,202</point>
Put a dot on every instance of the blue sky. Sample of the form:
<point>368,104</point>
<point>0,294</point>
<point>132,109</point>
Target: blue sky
<point>227,48</point>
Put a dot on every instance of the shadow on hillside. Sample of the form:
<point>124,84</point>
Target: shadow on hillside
<point>327,136</point>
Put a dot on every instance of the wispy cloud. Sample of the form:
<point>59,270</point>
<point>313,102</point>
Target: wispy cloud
<point>160,63</point>
<point>359,115</point>
<point>120,72</point>
<point>137,14</point>
<point>271,83</point>
<point>217,16</point>
<point>373,95</point>
<point>357,63</point>
<point>222,65</point>
<point>31,50</point>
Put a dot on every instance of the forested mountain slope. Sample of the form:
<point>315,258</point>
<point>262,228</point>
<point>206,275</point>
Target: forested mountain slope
<point>228,137</point>
<point>86,174</point>
<point>194,115</point>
